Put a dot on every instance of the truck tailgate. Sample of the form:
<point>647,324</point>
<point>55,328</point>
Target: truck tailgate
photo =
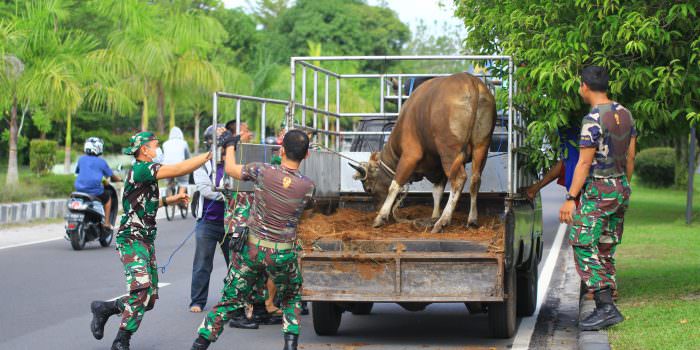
<point>403,271</point>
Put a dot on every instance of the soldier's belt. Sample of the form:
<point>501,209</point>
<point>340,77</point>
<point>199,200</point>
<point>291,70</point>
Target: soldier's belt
<point>269,244</point>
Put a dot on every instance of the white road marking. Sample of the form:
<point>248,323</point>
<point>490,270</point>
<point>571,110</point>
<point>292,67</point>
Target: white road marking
<point>160,285</point>
<point>30,243</point>
<point>527,324</point>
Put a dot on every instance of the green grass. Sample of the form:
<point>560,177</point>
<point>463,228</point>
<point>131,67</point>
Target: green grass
<point>658,266</point>
<point>33,187</point>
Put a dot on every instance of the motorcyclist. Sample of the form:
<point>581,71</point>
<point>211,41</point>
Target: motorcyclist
<point>91,170</point>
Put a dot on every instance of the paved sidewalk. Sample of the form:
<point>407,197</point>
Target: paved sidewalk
<point>17,236</point>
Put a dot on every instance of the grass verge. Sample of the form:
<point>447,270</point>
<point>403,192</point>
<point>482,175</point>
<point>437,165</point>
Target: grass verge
<point>33,187</point>
<point>658,266</point>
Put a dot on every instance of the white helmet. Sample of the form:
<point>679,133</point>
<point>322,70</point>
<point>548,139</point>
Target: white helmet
<point>94,146</point>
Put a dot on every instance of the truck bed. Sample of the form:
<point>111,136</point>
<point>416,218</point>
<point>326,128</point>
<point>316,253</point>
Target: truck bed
<point>351,230</point>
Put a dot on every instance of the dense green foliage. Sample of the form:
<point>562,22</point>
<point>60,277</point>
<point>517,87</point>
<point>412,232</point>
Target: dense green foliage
<point>651,48</point>
<point>72,69</point>
<point>42,156</point>
<point>656,167</point>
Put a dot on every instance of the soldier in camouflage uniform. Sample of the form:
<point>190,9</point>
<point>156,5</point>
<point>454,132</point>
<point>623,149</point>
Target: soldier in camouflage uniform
<point>136,236</point>
<point>281,194</point>
<point>236,213</point>
<point>602,176</point>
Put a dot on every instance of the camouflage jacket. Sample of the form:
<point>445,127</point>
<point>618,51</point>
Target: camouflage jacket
<point>608,128</point>
<point>140,203</point>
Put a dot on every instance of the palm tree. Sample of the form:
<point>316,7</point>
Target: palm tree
<point>61,75</point>
<point>11,69</point>
<point>138,51</point>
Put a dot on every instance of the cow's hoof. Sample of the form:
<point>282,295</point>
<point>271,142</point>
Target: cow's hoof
<point>379,222</point>
<point>437,228</point>
<point>473,224</point>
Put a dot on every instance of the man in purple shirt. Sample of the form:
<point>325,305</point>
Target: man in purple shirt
<point>210,230</point>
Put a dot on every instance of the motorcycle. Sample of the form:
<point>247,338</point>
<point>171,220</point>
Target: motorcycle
<point>85,218</point>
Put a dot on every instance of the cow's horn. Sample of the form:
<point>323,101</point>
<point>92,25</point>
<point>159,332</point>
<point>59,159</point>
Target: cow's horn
<point>361,170</point>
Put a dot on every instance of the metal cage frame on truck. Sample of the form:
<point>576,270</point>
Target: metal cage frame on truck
<point>297,108</point>
<point>486,277</point>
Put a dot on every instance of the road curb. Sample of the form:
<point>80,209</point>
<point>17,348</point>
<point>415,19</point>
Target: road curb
<point>591,340</point>
<point>15,213</point>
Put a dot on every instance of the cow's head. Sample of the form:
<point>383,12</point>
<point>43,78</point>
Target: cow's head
<point>375,181</point>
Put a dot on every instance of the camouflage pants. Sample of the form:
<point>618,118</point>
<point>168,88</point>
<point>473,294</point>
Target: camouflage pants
<point>244,274</point>
<point>238,210</point>
<point>597,230</point>
<point>141,271</point>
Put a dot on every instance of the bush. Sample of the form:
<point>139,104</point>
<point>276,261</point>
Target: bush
<point>656,166</point>
<point>42,156</point>
<point>56,186</point>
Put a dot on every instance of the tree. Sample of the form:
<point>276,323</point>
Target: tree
<point>343,27</point>
<point>139,50</point>
<point>267,12</point>
<point>242,37</point>
<point>60,75</point>
<point>651,49</point>
<point>11,70</point>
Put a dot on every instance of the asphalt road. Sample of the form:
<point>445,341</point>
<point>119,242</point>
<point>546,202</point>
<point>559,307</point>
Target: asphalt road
<point>46,291</point>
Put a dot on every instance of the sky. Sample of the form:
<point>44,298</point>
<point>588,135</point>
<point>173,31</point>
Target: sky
<point>409,11</point>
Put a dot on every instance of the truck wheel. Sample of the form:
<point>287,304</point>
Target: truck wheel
<point>77,238</point>
<point>326,317</point>
<point>502,315</point>
<point>361,308</point>
<point>527,289</point>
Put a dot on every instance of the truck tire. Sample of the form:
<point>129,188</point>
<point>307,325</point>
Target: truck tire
<point>527,289</point>
<point>326,317</point>
<point>502,317</point>
<point>361,308</point>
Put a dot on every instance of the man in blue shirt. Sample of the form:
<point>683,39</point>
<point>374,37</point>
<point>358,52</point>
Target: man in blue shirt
<point>563,170</point>
<point>91,170</point>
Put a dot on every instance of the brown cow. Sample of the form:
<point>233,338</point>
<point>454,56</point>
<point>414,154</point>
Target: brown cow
<point>447,122</point>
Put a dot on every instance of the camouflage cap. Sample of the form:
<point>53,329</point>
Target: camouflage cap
<point>138,140</point>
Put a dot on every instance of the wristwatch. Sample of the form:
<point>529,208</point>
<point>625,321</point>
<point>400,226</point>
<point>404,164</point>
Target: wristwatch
<point>569,197</point>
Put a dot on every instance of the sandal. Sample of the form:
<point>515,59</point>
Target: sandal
<point>275,312</point>
<point>196,309</point>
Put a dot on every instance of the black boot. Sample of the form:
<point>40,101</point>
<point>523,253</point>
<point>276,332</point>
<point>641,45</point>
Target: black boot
<point>122,340</point>
<point>304,308</point>
<point>200,343</point>
<point>240,321</point>
<point>101,311</point>
<point>290,341</point>
<point>605,313</point>
<point>261,316</point>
